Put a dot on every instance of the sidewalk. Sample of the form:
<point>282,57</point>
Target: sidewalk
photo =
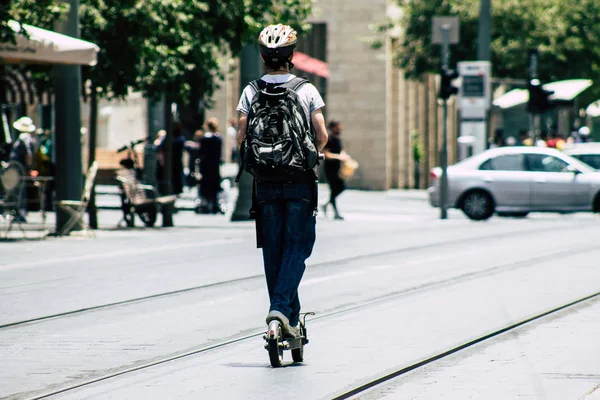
<point>356,204</point>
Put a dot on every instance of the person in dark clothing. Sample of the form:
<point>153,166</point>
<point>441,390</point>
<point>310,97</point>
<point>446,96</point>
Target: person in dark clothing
<point>177,148</point>
<point>159,147</point>
<point>177,161</point>
<point>334,156</point>
<point>284,211</point>
<point>210,165</point>
<point>22,152</point>
<point>193,149</point>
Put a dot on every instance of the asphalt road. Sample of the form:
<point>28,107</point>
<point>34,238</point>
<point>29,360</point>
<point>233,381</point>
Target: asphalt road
<point>390,285</point>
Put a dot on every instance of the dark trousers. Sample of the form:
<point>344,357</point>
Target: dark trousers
<point>336,186</point>
<point>288,229</point>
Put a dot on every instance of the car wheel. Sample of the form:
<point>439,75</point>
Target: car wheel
<point>478,205</point>
<point>596,205</point>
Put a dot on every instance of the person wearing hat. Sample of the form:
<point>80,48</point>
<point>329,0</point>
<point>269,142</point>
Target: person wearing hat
<point>22,152</point>
<point>584,134</point>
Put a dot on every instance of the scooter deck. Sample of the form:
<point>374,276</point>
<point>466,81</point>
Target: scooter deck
<point>295,343</point>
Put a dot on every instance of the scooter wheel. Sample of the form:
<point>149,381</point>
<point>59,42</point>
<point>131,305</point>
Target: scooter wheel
<point>298,354</point>
<point>275,348</point>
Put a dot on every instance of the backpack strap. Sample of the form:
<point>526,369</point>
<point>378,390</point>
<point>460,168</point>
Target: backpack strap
<point>295,83</point>
<point>256,84</point>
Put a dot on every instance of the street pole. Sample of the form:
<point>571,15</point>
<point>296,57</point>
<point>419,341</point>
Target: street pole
<point>250,69</point>
<point>168,209</point>
<point>67,107</point>
<point>92,209</point>
<point>444,150</point>
<point>155,119</point>
<point>483,48</point>
<point>485,23</point>
<point>533,74</point>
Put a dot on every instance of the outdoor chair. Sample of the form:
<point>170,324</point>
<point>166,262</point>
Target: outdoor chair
<point>140,198</point>
<point>11,191</point>
<point>77,208</point>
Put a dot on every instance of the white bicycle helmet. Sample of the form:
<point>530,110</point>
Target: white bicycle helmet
<point>277,42</point>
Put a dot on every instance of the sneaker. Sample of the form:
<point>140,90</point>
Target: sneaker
<point>294,331</point>
<point>287,330</point>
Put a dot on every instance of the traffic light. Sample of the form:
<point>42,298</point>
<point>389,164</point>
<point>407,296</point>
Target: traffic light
<point>447,89</point>
<point>539,101</point>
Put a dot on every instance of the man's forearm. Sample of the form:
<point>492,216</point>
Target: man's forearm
<point>321,136</point>
<point>243,120</point>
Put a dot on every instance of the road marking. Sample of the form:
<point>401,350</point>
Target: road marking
<point>128,252</point>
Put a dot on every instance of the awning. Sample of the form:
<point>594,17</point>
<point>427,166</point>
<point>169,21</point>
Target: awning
<point>311,65</point>
<point>46,47</point>
<point>563,91</point>
<point>593,110</point>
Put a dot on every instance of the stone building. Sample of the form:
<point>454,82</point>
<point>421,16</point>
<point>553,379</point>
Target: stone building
<point>382,113</point>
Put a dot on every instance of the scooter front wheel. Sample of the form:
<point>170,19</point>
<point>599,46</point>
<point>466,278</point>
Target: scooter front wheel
<point>275,345</point>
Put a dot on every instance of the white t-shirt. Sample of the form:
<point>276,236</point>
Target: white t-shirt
<point>308,94</point>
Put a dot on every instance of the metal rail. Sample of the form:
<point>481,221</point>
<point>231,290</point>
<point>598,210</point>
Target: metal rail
<point>370,302</point>
<point>259,277</point>
<point>386,378</point>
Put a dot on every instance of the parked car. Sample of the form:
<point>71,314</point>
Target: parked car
<point>513,181</point>
<point>589,153</point>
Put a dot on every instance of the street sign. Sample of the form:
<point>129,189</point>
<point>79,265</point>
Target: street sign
<point>450,23</point>
<point>475,90</point>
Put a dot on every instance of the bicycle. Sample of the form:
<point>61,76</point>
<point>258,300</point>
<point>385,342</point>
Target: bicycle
<point>136,197</point>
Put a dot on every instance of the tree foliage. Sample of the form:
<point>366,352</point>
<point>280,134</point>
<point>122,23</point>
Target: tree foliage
<point>566,32</point>
<point>159,46</point>
<point>42,13</point>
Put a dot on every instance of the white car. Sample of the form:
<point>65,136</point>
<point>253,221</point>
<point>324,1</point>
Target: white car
<point>589,153</point>
<point>513,181</point>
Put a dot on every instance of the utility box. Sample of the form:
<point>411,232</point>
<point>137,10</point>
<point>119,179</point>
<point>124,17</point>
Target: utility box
<point>474,100</point>
<point>474,93</point>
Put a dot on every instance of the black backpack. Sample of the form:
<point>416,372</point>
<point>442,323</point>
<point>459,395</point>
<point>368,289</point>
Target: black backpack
<point>279,144</point>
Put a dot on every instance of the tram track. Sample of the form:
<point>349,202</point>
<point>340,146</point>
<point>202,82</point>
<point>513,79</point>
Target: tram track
<point>261,277</point>
<point>505,267</point>
<point>352,393</point>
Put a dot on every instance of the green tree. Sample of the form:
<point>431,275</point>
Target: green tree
<point>567,34</point>
<point>42,13</point>
<point>160,47</point>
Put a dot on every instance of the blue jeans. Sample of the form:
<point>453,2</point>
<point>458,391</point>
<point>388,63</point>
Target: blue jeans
<point>288,233</point>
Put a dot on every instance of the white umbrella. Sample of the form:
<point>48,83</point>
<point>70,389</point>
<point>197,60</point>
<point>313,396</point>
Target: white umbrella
<point>563,91</point>
<point>46,47</point>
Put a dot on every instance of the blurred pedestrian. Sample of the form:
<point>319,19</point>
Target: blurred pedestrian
<point>511,141</point>
<point>211,146</point>
<point>334,156</point>
<point>523,136</point>
<point>284,205</point>
<point>232,140</point>
<point>584,134</point>
<point>22,152</point>
<point>177,173</point>
<point>160,161</point>
<point>44,165</point>
<point>177,147</point>
<point>193,149</point>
